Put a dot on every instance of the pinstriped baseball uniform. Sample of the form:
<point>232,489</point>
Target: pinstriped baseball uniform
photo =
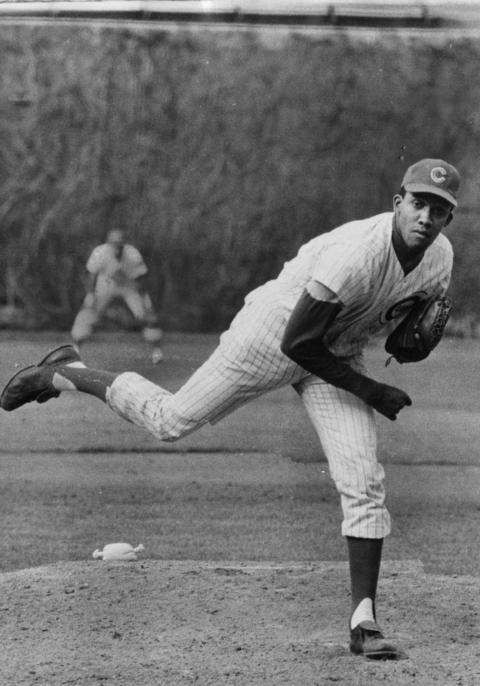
<point>358,263</point>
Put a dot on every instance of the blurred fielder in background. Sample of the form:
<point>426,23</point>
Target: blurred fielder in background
<point>308,328</point>
<point>116,272</point>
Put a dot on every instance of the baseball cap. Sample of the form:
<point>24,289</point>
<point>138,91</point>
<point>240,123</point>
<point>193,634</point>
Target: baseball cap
<point>433,176</point>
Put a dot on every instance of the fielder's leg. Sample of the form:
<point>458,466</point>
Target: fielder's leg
<point>93,308</point>
<point>84,324</point>
<point>141,306</point>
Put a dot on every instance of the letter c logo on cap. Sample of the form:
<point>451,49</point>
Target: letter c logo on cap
<point>438,174</point>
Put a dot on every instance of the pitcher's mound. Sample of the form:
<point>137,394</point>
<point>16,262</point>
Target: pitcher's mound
<point>157,623</point>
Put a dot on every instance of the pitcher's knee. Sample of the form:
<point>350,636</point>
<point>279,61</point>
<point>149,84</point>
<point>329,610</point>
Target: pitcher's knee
<point>168,436</point>
<point>152,407</point>
<point>169,426</point>
<point>360,478</point>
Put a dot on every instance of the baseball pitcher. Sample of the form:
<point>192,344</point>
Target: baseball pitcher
<point>309,327</point>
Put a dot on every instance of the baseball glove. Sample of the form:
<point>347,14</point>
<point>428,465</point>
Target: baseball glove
<point>420,331</point>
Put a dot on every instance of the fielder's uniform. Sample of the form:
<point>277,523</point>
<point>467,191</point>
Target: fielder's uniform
<point>115,279</point>
<point>358,263</point>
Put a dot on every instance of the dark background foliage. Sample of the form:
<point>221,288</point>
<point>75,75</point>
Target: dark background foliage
<point>219,152</point>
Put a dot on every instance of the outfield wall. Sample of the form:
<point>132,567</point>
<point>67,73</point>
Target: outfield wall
<point>220,151</point>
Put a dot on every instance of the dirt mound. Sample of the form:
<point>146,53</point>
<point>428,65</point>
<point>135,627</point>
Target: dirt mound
<point>173,622</point>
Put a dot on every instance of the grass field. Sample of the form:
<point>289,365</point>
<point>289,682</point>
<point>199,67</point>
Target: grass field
<point>253,487</point>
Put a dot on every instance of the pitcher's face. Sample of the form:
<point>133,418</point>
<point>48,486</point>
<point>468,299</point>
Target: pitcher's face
<point>419,218</point>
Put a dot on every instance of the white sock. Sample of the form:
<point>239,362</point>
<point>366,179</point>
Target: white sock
<point>363,613</point>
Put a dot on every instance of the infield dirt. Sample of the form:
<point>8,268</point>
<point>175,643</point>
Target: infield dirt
<point>149,623</point>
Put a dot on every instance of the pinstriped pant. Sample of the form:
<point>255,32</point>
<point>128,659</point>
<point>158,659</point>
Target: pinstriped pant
<point>247,363</point>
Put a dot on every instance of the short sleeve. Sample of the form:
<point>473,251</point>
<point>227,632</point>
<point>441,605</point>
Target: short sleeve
<point>346,269</point>
<point>136,264</point>
<point>96,260</point>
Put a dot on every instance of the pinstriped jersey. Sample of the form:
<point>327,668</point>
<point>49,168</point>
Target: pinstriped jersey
<point>357,261</point>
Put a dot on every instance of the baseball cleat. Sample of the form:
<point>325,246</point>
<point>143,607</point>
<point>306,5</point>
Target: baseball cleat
<point>29,384</point>
<point>157,356</point>
<point>35,382</point>
<point>65,354</point>
<point>367,639</point>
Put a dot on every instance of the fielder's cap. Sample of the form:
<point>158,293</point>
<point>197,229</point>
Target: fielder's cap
<point>116,236</point>
<point>433,176</point>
